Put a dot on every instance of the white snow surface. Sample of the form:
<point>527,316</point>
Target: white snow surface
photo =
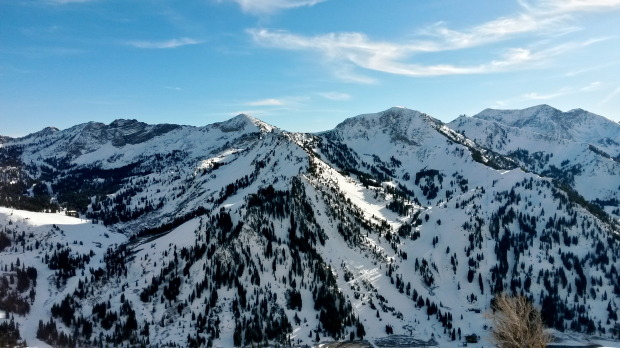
<point>80,235</point>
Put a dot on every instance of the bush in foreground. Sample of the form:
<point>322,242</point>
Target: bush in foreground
<point>517,323</point>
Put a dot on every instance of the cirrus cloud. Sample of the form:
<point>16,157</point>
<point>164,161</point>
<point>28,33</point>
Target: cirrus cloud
<point>173,43</point>
<point>535,25</point>
<point>567,6</point>
<point>267,102</point>
<point>357,49</point>
<point>271,6</point>
<point>337,96</point>
<point>66,2</point>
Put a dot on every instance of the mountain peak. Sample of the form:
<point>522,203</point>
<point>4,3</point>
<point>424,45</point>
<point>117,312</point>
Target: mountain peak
<point>542,107</point>
<point>393,116</point>
<point>399,124</point>
<point>243,117</point>
<point>577,110</point>
<point>402,111</point>
<point>43,132</point>
<point>243,121</point>
<point>577,124</point>
<point>397,109</point>
<point>517,116</point>
<point>49,130</point>
<point>121,122</point>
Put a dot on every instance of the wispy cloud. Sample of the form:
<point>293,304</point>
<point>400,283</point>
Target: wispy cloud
<point>280,103</point>
<point>172,88</point>
<point>610,96</point>
<point>562,92</point>
<point>394,58</point>
<point>444,38</point>
<point>593,86</point>
<point>267,102</point>
<point>337,96</point>
<point>173,43</point>
<point>567,6</point>
<point>65,2</point>
<point>537,96</point>
<point>270,6</point>
<point>344,51</point>
<point>346,72</point>
<point>592,68</point>
<point>545,17</point>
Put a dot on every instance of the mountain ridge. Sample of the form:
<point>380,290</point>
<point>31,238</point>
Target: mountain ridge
<point>575,124</point>
<point>589,165</point>
<point>486,114</point>
<point>239,233</point>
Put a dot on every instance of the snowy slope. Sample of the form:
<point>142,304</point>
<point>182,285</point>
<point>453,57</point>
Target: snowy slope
<point>41,234</point>
<point>471,204</point>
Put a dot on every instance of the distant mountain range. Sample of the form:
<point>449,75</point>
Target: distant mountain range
<point>392,227</point>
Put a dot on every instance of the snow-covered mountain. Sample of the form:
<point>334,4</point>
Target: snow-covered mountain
<point>576,125</point>
<point>393,227</point>
<point>578,149</point>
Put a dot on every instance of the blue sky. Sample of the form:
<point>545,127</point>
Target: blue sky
<point>301,65</point>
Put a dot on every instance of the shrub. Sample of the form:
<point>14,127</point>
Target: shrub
<point>517,323</point>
